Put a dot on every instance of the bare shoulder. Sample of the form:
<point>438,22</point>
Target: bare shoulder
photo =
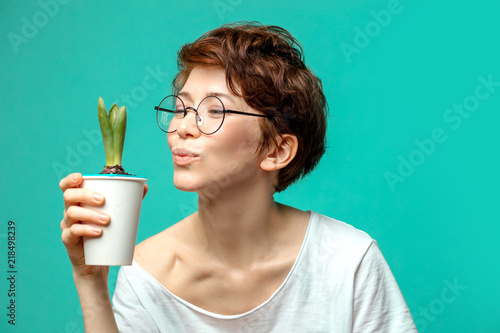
<point>159,253</point>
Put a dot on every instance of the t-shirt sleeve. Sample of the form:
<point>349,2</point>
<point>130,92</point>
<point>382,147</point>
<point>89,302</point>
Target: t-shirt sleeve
<point>130,314</point>
<point>379,305</point>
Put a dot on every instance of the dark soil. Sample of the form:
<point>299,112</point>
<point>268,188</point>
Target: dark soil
<point>115,169</point>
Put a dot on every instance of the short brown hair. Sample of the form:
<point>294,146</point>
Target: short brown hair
<point>265,66</point>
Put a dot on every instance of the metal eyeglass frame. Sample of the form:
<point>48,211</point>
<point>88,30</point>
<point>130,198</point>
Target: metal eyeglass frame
<point>224,111</point>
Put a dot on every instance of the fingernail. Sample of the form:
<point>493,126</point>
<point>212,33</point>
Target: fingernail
<point>103,218</point>
<point>96,230</point>
<point>97,197</point>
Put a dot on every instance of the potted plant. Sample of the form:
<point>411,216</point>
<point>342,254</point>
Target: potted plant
<point>123,194</point>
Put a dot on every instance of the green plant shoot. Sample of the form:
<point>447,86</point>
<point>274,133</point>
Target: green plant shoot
<point>113,126</point>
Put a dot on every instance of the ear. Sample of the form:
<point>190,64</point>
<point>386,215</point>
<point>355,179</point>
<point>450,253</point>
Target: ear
<point>280,155</point>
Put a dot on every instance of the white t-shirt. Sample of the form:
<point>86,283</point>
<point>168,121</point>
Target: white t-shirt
<point>340,282</point>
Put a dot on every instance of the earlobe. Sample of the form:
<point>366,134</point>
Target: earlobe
<point>280,155</point>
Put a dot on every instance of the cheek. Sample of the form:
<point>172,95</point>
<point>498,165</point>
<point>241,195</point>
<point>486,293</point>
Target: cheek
<point>236,152</point>
<point>240,138</point>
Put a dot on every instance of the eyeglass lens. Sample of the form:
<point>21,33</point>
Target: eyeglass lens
<point>171,112</point>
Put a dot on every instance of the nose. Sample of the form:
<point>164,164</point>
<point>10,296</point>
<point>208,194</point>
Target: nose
<point>187,126</point>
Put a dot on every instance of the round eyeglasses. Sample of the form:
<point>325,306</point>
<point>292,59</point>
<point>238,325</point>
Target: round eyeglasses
<point>209,115</point>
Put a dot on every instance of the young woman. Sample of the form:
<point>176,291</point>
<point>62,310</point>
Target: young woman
<point>248,118</point>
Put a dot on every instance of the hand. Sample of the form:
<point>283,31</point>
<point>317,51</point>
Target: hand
<point>73,224</point>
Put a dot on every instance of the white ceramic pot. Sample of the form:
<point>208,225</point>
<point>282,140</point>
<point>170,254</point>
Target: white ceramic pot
<point>123,198</point>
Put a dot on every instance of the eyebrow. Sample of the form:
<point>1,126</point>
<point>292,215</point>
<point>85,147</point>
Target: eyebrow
<point>214,93</point>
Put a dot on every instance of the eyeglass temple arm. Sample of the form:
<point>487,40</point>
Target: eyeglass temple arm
<point>250,114</point>
<point>162,109</point>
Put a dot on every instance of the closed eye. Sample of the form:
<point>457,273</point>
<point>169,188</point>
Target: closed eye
<point>215,112</point>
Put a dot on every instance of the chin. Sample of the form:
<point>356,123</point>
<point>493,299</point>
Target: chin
<point>187,182</point>
<point>185,186</point>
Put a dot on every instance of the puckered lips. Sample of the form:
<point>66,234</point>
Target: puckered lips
<point>183,156</point>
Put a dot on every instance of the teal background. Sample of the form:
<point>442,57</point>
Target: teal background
<point>438,226</point>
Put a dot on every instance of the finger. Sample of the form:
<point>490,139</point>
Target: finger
<point>72,236</point>
<point>146,188</point>
<point>72,180</point>
<point>76,214</point>
<point>76,196</point>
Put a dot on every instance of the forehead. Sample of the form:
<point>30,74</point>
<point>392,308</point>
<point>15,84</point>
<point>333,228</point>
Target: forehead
<point>205,79</point>
<point>210,81</point>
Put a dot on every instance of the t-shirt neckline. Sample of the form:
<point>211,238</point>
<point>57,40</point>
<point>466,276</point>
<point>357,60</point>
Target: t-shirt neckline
<point>221,316</point>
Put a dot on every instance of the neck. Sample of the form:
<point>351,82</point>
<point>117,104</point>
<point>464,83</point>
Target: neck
<point>239,227</point>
